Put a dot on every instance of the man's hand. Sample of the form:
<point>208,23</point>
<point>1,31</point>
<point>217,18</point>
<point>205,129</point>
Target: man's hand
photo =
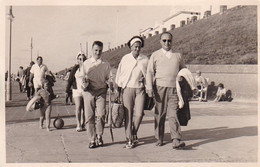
<point>150,93</point>
<point>66,95</point>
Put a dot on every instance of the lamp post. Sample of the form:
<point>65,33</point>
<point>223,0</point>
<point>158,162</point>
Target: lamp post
<point>9,84</point>
<point>31,47</point>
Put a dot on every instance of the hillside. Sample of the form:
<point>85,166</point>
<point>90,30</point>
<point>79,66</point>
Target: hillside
<point>230,38</point>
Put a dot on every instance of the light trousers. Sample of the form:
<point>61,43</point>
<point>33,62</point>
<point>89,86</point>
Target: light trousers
<point>166,102</point>
<point>133,102</point>
<point>95,108</point>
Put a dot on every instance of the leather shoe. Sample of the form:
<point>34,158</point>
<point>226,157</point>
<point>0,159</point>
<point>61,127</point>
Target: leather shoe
<point>99,141</point>
<point>177,143</point>
<point>92,145</point>
<point>159,143</point>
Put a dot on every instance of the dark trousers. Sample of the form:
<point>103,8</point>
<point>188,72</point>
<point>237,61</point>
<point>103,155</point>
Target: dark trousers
<point>69,97</point>
<point>20,86</point>
<point>30,90</point>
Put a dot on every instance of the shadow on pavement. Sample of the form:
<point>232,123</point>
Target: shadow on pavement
<point>206,135</point>
<point>217,134</point>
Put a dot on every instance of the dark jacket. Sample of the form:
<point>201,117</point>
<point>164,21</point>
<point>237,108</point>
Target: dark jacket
<point>184,113</point>
<point>72,79</point>
<point>27,73</point>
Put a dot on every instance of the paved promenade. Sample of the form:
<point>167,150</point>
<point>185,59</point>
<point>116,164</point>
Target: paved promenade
<point>217,133</point>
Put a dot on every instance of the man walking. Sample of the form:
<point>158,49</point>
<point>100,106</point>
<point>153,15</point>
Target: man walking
<point>29,90</point>
<point>162,70</point>
<point>38,74</point>
<point>97,75</point>
<point>20,75</point>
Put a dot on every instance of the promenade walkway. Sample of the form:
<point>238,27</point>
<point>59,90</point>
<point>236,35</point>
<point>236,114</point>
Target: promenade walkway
<point>217,132</point>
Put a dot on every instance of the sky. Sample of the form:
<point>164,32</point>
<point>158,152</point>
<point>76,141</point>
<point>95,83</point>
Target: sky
<point>57,31</point>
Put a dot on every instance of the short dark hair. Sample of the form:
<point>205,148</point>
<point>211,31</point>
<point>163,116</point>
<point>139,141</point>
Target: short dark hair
<point>129,42</point>
<point>98,43</point>
<point>221,85</point>
<point>84,57</point>
<point>165,33</point>
<point>39,57</point>
<point>32,63</point>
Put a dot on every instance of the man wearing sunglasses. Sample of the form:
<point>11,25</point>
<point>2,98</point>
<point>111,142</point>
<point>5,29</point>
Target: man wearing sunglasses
<point>162,70</point>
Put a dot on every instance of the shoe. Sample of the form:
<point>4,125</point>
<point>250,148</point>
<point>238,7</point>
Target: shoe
<point>78,129</point>
<point>99,141</point>
<point>83,128</point>
<point>177,143</point>
<point>135,140</point>
<point>159,143</point>
<point>129,145</point>
<point>92,145</point>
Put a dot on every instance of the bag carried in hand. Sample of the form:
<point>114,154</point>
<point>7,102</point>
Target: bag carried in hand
<point>148,103</point>
<point>118,114</point>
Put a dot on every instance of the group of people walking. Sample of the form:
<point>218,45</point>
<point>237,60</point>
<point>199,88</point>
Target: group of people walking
<point>136,75</point>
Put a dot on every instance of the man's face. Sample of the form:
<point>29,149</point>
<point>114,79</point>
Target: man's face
<point>97,51</point>
<point>166,42</point>
<point>39,61</point>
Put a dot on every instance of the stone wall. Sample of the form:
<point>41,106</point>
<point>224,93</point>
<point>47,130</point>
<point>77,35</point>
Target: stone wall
<point>242,80</point>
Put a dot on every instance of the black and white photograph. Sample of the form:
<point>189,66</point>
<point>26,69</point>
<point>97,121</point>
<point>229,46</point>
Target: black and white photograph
<point>129,83</point>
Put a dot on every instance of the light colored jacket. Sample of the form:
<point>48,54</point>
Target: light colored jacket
<point>189,78</point>
<point>126,67</point>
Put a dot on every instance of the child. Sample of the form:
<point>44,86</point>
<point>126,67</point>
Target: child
<point>221,93</point>
<point>42,101</point>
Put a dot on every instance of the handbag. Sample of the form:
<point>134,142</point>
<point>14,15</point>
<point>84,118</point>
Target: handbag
<point>148,103</point>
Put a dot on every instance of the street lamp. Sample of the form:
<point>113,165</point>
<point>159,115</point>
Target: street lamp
<point>10,16</point>
<point>31,47</point>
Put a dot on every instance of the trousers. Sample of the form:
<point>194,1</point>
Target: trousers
<point>166,103</point>
<point>133,102</point>
<point>95,110</point>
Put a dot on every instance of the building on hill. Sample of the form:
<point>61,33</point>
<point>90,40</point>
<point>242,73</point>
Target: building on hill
<point>181,19</point>
<point>171,22</point>
<point>175,19</point>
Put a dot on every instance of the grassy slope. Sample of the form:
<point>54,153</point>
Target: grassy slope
<point>230,38</point>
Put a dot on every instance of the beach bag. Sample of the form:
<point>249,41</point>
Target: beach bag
<point>34,104</point>
<point>118,114</point>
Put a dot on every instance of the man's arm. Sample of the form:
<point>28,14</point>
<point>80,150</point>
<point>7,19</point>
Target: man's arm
<point>150,76</point>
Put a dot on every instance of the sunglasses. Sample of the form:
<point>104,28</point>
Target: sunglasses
<point>80,59</point>
<point>164,40</point>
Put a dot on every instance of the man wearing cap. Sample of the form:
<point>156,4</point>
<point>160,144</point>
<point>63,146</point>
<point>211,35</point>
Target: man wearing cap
<point>130,77</point>
<point>163,67</point>
<point>38,74</point>
<point>97,74</point>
